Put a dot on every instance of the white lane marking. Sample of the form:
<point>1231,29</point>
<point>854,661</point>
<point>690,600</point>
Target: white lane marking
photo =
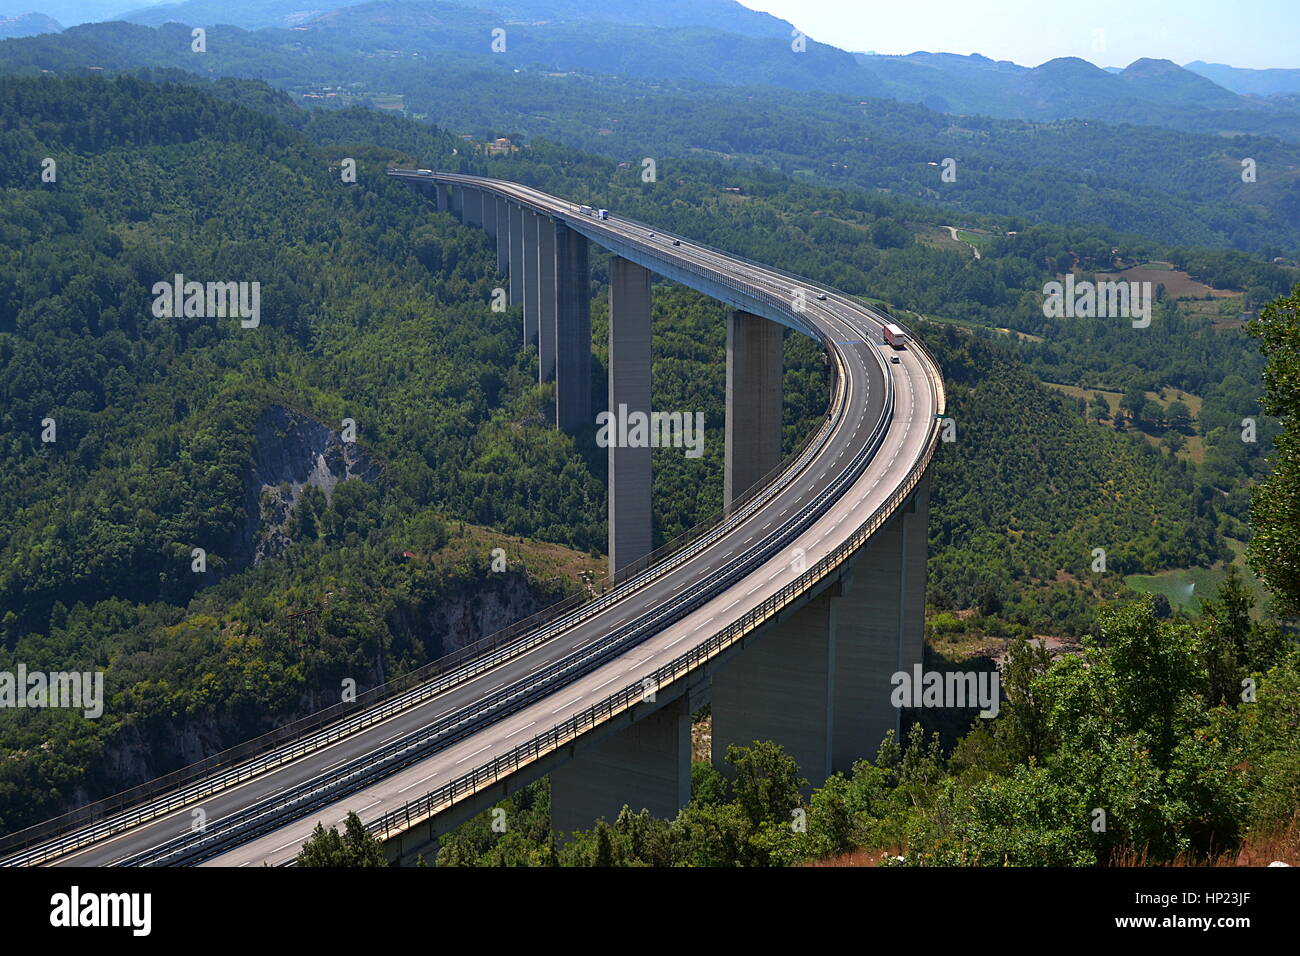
<point>418,782</point>
<point>521,729</point>
<point>474,754</point>
<point>344,819</point>
<point>558,709</point>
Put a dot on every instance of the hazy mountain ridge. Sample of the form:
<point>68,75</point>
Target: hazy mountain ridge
<point>1248,82</point>
<point>723,42</point>
<point>28,25</point>
<point>721,15</point>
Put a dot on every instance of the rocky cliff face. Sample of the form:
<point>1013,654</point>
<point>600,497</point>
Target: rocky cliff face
<point>461,610</point>
<point>292,452</point>
<point>470,612</point>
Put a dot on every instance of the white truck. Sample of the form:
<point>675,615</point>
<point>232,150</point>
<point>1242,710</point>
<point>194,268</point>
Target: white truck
<point>894,336</point>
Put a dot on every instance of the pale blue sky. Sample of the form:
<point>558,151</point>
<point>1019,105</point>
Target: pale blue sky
<point>1248,33</point>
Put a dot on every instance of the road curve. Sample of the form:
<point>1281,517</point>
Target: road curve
<point>880,434</point>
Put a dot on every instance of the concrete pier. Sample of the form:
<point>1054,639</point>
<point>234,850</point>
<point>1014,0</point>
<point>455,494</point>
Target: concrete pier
<point>517,264</point>
<point>473,207</point>
<point>818,680</point>
<point>646,765</point>
<point>529,286</point>
<point>630,536</point>
<point>755,370</point>
<point>572,331</point>
<point>546,304</point>
<point>502,213</point>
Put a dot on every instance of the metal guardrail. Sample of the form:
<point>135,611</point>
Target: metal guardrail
<point>270,813</point>
<point>440,799</point>
<point>380,703</point>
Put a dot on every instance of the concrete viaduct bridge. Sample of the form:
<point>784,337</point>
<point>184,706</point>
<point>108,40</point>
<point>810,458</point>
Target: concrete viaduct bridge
<point>789,615</point>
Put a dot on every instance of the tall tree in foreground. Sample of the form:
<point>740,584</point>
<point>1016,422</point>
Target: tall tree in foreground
<point>1275,513</point>
<point>354,847</point>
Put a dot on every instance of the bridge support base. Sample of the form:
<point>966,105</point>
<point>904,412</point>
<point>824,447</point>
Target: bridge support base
<point>528,285</point>
<point>646,765</point>
<point>501,212</point>
<point>755,369</point>
<point>572,331</point>
<point>545,298</point>
<point>630,535</point>
<point>818,680</point>
<point>517,265</point>
<point>474,207</point>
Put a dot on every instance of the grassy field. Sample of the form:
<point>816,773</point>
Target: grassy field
<point>1186,586</point>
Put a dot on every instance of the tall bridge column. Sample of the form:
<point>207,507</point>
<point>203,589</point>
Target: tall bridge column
<point>474,207</point>
<point>572,330</point>
<point>517,264</point>
<point>629,388</point>
<point>490,214</point>
<point>502,214</point>
<point>818,680</point>
<point>440,194</point>
<point>645,765</point>
<point>458,201</point>
<point>545,299</point>
<point>755,369</point>
<point>529,277</point>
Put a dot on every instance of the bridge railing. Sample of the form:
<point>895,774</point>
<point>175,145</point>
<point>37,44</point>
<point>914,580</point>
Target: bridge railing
<point>441,798</point>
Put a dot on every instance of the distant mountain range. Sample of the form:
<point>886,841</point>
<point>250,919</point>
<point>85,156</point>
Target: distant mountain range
<point>723,15</point>
<point>27,25</point>
<point>722,42</point>
<point>1252,82</point>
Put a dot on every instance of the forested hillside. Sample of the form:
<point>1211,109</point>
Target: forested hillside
<point>1175,186</point>
<point>372,309</point>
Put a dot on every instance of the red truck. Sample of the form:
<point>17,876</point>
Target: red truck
<point>894,336</point>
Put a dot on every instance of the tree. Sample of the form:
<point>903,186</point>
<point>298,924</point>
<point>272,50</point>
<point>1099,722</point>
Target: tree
<point>354,847</point>
<point>1274,552</point>
<point>767,784</point>
<point>889,234</point>
<point>1179,416</point>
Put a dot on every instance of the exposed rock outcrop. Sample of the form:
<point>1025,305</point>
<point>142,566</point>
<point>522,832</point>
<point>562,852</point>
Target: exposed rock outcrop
<point>292,452</point>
